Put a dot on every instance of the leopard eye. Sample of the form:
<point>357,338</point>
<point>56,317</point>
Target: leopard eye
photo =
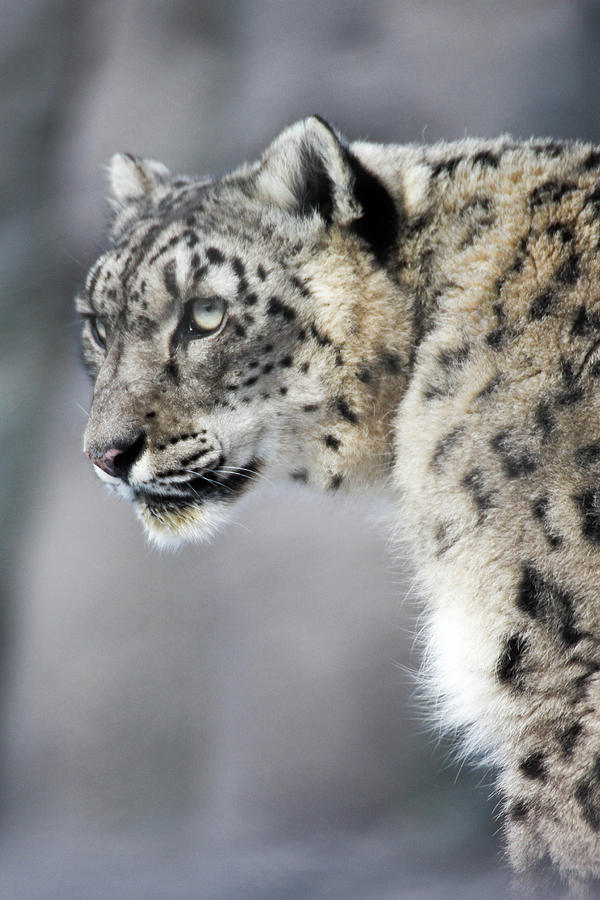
<point>99,331</point>
<point>206,315</point>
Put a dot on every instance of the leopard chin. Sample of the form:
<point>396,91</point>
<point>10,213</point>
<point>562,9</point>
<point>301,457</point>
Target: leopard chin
<point>170,525</point>
<point>171,521</point>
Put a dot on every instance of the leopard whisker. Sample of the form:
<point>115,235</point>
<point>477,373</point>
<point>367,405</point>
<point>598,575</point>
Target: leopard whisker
<point>83,410</point>
<point>208,480</point>
<point>244,472</point>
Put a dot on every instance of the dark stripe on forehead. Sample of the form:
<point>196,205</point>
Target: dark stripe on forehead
<point>92,279</point>
<point>164,249</point>
<point>138,255</point>
<point>170,279</point>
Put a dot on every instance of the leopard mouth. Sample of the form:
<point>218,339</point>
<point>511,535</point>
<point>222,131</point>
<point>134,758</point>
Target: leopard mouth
<point>208,487</point>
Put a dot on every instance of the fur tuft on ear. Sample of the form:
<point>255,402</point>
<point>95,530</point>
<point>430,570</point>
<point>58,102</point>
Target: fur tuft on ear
<point>131,177</point>
<point>306,171</point>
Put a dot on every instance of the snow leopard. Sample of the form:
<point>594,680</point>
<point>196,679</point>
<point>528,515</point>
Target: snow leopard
<point>422,318</point>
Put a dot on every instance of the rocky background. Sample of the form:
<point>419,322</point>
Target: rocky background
<point>237,721</point>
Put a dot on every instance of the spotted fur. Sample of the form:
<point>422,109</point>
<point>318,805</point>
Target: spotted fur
<point>424,317</point>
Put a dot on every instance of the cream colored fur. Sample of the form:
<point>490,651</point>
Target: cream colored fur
<point>423,317</point>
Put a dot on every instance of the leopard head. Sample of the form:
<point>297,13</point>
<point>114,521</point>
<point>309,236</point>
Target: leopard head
<point>214,345</point>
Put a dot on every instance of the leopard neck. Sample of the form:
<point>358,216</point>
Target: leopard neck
<point>357,356</point>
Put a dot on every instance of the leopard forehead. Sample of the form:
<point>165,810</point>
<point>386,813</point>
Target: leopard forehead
<point>169,261</point>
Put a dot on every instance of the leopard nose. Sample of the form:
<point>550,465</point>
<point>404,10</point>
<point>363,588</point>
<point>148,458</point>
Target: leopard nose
<point>117,461</point>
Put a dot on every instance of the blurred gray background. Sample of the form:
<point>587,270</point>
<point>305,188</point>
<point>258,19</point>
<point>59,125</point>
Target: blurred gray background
<point>236,720</point>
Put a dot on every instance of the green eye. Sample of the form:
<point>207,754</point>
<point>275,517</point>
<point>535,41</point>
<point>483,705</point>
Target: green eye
<point>99,332</point>
<point>206,314</point>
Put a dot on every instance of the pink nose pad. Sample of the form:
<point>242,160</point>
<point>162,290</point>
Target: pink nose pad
<point>117,461</point>
<point>107,462</point>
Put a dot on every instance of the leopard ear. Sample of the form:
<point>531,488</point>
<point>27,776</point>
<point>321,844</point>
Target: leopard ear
<point>307,170</point>
<point>132,178</point>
